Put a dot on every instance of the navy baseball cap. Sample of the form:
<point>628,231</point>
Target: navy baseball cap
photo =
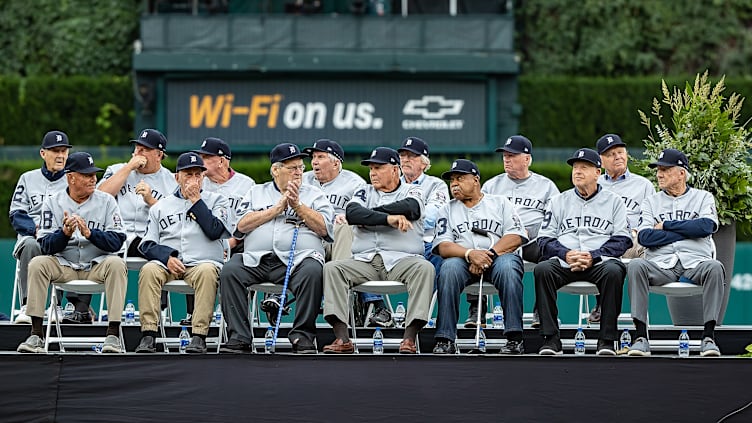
<point>461,166</point>
<point>607,141</point>
<point>189,160</point>
<point>152,138</point>
<point>215,147</point>
<point>382,155</point>
<point>55,139</point>
<point>585,155</point>
<point>285,151</point>
<point>415,145</point>
<point>517,144</point>
<point>671,157</point>
<point>326,146</point>
<point>81,162</point>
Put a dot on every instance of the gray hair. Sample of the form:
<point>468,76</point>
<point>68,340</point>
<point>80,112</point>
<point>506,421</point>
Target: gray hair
<point>426,161</point>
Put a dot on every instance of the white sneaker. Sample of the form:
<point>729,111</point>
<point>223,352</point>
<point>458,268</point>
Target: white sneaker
<point>22,317</point>
<point>111,344</point>
<point>33,344</point>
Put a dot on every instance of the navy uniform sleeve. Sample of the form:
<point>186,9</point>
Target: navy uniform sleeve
<point>210,224</point>
<point>54,242</point>
<point>109,241</point>
<point>695,228</point>
<point>153,251</point>
<point>22,223</point>
<point>407,207</point>
<point>361,216</point>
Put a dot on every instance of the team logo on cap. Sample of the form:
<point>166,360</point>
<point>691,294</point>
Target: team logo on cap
<point>581,154</point>
<point>509,141</point>
<point>328,148</point>
<point>610,139</point>
<point>144,134</point>
<point>58,137</point>
<point>91,161</point>
<point>203,144</point>
<point>660,156</point>
<point>454,165</point>
<point>373,153</point>
<point>220,152</point>
<point>193,159</point>
<point>292,149</point>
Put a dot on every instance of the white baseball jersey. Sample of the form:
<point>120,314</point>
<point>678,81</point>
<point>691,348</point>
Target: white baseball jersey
<point>693,204</point>
<point>171,224</point>
<point>233,190</point>
<point>339,190</point>
<point>275,236</point>
<point>391,243</point>
<point>633,189</point>
<point>100,211</point>
<point>132,206</point>
<point>435,196</point>
<point>31,190</point>
<point>584,225</point>
<point>529,197</point>
<point>493,213</point>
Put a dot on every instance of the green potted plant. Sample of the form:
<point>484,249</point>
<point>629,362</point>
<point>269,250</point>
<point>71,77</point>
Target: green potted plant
<point>705,126</point>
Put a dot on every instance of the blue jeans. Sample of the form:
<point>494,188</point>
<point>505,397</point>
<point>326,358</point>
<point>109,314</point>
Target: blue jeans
<point>505,274</point>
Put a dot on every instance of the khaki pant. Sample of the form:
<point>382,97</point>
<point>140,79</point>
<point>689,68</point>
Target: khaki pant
<point>415,272</point>
<point>341,248</point>
<point>44,270</point>
<point>203,278</point>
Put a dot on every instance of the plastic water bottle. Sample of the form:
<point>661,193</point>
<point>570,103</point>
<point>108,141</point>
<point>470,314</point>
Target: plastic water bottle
<point>399,315</point>
<point>431,323</point>
<point>625,341</point>
<point>579,342</point>
<point>378,341</point>
<point>269,341</point>
<point>498,317</point>
<point>481,341</point>
<point>130,313</point>
<point>69,309</point>
<point>218,315</point>
<point>97,348</point>
<point>185,339</point>
<point>684,344</point>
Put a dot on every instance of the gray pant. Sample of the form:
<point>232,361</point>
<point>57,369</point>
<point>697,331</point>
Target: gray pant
<point>415,272</point>
<point>644,273</point>
<point>26,249</point>
<point>304,283</point>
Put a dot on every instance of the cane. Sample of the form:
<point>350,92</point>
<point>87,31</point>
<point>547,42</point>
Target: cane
<point>487,233</point>
<point>287,280</point>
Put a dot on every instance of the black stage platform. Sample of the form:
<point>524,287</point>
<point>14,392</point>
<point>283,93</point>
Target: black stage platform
<point>426,388</point>
<point>93,387</point>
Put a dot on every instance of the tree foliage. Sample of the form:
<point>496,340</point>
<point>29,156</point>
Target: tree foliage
<point>67,37</point>
<point>634,37</point>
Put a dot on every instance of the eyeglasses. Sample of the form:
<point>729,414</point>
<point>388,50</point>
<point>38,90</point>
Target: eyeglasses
<point>292,169</point>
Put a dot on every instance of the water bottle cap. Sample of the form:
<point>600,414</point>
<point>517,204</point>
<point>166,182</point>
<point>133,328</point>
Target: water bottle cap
<point>269,328</point>
<point>684,331</point>
<point>400,302</point>
<point>378,329</point>
<point>184,328</point>
<point>498,304</point>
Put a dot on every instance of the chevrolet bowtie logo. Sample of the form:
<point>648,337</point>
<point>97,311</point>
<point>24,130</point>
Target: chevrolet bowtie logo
<point>427,103</point>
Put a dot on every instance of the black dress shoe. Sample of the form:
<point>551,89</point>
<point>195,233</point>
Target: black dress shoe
<point>147,345</point>
<point>78,318</point>
<point>234,346</point>
<point>303,346</point>
<point>197,346</point>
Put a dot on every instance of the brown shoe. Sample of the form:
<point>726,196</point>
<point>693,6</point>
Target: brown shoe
<point>407,346</point>
<point>340,347</point>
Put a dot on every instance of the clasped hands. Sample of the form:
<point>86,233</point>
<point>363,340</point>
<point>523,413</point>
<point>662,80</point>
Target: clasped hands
<point>579,260</point>
<point>479,261</point>
<point>73,222</point>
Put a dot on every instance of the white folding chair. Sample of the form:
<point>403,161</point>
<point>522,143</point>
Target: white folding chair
<point>254,315</point>
<point>583,289</point>
<point>385,288</point>
<point>16,299</point>
<point>180,286</point>
<point>79,286</point>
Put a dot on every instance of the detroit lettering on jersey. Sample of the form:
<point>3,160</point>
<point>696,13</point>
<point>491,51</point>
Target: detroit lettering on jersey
<point>677,215</point>
<point>487,224</point>
<point>338,201</point>
<point>533,203</point>
<point>584,222</point>
<point>35,200</point>
<point>129,188</point>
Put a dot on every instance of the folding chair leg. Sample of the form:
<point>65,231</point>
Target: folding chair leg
<point>354,331</point>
